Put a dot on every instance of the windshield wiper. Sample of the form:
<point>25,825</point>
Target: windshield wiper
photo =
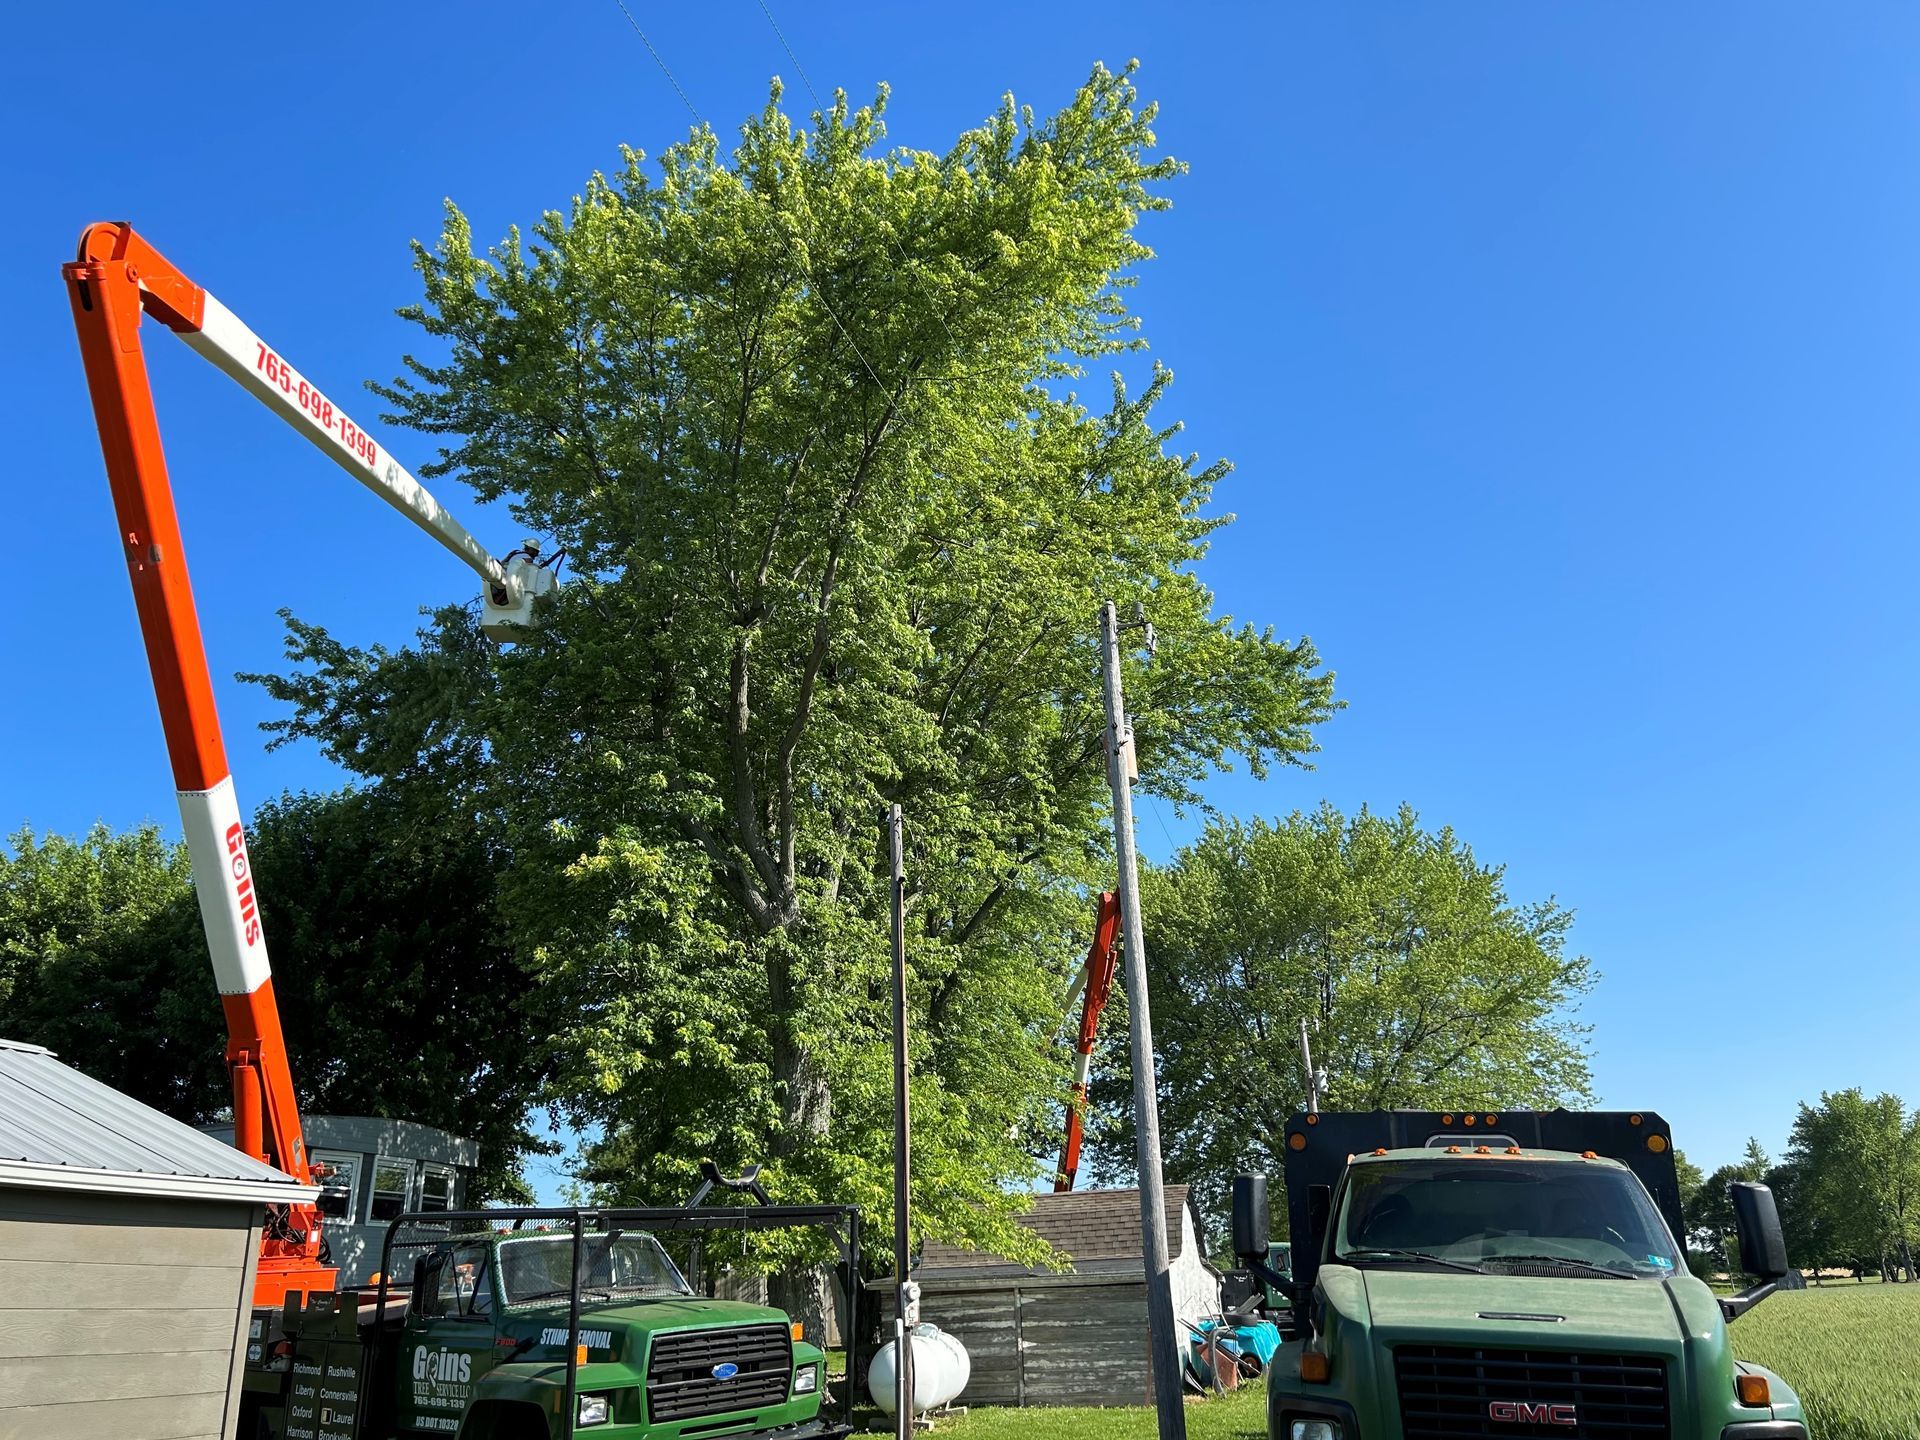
<point>1568,1260</point>
<point>1373,1254</point>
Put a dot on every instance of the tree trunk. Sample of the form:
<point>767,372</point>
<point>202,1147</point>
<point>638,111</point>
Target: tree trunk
<point>806,1114</point>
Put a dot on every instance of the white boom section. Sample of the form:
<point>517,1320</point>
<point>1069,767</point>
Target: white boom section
<point>225,340</point>
<point>229,909</point>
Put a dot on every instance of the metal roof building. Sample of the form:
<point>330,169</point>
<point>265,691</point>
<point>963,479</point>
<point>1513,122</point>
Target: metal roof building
<point>127,1250</point>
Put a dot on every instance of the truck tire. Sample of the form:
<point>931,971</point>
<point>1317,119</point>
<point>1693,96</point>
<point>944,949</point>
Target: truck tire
<point>503,1420</point>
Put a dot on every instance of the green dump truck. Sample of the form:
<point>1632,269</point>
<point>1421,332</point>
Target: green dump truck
<point>541,1324</point>
<point>1473,1277</point>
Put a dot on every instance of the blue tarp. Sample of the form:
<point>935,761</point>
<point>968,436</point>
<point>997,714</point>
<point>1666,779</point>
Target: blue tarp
<point>1260,1339</point>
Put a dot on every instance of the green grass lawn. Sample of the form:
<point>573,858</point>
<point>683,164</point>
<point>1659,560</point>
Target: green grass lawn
<point>1851,1351</point>
<point>1238,1416</point>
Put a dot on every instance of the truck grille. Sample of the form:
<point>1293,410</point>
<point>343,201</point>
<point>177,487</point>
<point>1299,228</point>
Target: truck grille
<point>681,1384</point>
<point>1449,1393</point>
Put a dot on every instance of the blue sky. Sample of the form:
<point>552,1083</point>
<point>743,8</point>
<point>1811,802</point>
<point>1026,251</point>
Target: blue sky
<point>1567,355</point>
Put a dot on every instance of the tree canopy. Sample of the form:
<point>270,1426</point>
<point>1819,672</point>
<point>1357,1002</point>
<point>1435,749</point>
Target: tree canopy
<point>1855,1186</point>
<point>802,417</point>
<point>1423,983</point>
<point>91,965</point>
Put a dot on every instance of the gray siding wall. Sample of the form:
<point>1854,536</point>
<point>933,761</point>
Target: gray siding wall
<point>1051,1340</point>
<point>122,1317</point>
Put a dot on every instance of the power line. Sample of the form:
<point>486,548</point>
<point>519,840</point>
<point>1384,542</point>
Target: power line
<point>820,107</point>
<point>825,303</point>
<point>660,62</point>
<point>791,56</point>
<point>1153,809</point>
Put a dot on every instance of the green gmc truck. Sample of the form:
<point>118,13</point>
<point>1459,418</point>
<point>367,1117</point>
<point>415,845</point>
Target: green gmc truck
<point>1474,1277</point>
<point>537,1325</point>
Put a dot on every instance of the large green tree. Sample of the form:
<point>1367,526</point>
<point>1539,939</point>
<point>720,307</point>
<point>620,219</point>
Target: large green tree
<point>1857,1169</point>
<point>397,990</point>
<point>801,416</point>
<point>1423,984</point>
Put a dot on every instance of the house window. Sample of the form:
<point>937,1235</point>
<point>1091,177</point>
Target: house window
<point>436,1187</point>
<point>339,1184</point>
<point>392,1189</point>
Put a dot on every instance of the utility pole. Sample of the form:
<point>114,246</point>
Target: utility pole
<point>1164,1346</point>
<point>1313,1080</point>
<point>907,1296</point>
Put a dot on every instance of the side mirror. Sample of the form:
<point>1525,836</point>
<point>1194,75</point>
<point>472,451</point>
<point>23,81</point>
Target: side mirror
<point>1763,1249</point>
<point>1251,1220</point>
<point>1319,1215</point>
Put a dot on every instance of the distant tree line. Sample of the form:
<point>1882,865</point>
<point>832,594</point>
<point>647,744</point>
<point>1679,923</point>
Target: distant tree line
<point>403,996</point>
<point>1848,1190</point>
<point>399,995</point>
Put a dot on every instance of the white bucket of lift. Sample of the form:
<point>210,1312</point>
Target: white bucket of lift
<point>941,1369</point>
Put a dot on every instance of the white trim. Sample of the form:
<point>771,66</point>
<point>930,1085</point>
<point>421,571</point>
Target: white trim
<point>350,1161</point>
<point>374,1192</point>
<point>17,1174</point>
<point>435,1167</point>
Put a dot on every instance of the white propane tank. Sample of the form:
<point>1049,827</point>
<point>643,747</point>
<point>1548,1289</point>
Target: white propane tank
<point>941,1369</point>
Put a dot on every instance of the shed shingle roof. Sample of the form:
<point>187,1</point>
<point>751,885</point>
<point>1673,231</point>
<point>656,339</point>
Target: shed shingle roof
<point>1099,1229</point>
<point>63,1130</point>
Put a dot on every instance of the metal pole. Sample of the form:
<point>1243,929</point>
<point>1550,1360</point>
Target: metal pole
<point>571,1401</point>
<point>1146,1105</point>
<point>1306,1059</point>
<point>906,1296</point>
<point>850,1341</point>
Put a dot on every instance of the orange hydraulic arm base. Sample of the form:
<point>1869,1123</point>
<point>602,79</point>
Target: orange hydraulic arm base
<point>116,279</point>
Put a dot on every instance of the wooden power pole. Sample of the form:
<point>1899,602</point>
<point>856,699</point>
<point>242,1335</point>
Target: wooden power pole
<point>1165,1346</point>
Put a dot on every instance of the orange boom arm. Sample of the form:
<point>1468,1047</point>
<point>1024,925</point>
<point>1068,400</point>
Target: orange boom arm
<point>117,278</point>
<point>1096,980</point>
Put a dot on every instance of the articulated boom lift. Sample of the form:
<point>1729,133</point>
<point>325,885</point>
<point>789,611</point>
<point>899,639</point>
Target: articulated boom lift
<point>1095,981</point>
<point>118,277</point>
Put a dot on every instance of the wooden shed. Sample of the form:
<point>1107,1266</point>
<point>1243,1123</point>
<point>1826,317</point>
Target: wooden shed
<point>127,1250</point>
<point>1074,1337</point>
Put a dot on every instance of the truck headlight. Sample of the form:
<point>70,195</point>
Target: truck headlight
<point>1314,1430</point>
<point>593,1410</point>
<point>806,1380</point>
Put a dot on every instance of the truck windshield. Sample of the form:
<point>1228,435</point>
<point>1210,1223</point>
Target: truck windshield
<point>1503,1216</point>
<point>539,1267</point>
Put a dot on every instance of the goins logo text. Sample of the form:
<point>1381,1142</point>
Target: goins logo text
<point>243,882</point>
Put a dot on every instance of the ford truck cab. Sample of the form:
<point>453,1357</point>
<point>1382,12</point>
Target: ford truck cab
<point>486,1334</point>
<point>539,1325</point>
<point>1460,1278</point>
